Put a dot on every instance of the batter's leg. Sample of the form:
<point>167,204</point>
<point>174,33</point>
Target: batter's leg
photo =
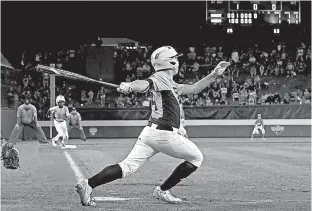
<point>15,133</point>
<point>39,133</point>
<point>136,158</point>
<point>180,147</point>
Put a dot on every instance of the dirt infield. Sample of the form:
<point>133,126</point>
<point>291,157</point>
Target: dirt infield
<point>235,175</point>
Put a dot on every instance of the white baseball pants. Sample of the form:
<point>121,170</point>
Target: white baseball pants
<point>151,141</point>
<point>61,129</point>
<point>257,128</point>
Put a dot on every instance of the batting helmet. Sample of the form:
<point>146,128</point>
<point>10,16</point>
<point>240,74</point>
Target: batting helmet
<point>164,58</point>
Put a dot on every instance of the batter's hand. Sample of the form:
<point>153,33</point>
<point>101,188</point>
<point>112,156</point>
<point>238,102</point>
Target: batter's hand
<point>124,88</point>
<point>220,68</point>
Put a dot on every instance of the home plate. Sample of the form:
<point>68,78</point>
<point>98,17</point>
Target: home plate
<point>113,199</point>
<point>70,147</point>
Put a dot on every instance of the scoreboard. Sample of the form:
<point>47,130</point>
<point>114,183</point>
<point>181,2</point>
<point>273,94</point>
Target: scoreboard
<point>248,12</point>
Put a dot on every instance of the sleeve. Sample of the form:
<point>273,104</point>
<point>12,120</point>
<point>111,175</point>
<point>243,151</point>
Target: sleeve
<point>34,110</point>
<point>19,112</point>
<point>161,81</point>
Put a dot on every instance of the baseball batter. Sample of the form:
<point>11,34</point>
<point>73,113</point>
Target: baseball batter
<point>162,132</point>
<point>259,127</point>
<point>75,122</point>
<point>27,115</point>
<point>60,114</point>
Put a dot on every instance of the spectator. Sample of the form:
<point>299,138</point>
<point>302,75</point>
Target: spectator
<point>286,98</point>
<point>83,98</point>
<point>235,95</point>
<point>10,97</point>
<point>307,96</point>
<point>101,95</point>
<point>120,101</point>
<point>243,95</point>
<point>45,80</point>
<point>90,95</point>
<point>277,98</point>
<point>208,102</point>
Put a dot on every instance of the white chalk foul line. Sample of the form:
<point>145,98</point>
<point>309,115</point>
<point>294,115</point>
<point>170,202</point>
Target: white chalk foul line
<point>113,199</point>
<point>73,165</point>
<point>79,176</point>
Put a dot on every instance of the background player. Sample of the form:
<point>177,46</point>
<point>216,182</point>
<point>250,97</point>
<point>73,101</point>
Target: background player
<point>60,114</point>
<point>75,122</point>
<point>259,127</point>
<point>161,133</point>
<point>27,115</point>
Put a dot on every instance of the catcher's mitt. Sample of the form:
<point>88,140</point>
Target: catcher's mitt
<point>10,156</point>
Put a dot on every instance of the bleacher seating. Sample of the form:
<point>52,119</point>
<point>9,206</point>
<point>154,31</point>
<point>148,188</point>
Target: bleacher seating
<point>254,77</point>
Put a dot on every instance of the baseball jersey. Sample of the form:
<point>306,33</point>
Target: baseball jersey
<point>259,122</point>
<point>165,103</point>
<point>60,114</point>
<point>26,115</point>
<point>74,118</point>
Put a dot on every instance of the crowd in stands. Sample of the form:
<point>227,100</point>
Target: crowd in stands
<point>246,81</point>
<point>243,84</point>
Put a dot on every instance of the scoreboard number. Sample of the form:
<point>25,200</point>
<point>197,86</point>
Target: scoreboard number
<point>255,6</point>
<point>273,6</point>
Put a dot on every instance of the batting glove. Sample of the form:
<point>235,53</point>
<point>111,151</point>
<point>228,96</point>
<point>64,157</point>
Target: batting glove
<point>124,88</point>
<point>220,68</point>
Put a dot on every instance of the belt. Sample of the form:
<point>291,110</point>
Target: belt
<point>59,121</point>
<point>162,127</point>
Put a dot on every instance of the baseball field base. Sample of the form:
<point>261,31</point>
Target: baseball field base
<point>70,147</point>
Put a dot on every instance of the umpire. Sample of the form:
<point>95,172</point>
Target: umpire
<point>75,122</point>
<point>27,115</point>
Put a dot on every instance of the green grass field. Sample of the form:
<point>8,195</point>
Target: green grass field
<point>237,174</point>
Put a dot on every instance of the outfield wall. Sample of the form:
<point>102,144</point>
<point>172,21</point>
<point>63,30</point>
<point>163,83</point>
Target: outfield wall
<point>195,128</point>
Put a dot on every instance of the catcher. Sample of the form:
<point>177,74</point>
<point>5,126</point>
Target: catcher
<point>9,155</point>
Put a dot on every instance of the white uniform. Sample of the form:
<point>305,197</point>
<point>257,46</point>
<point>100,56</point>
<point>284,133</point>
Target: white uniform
<point>165,113</point>
<point>60,115</point>
<point>258,127</point>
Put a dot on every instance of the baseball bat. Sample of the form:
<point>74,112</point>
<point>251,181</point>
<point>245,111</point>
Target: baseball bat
<point>67,74</point>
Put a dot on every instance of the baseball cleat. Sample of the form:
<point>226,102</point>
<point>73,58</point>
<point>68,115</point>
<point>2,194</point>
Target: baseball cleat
<point>53,142</point>
<point>63,146</point>
<point>166,196</point>
<point>85,192</point>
